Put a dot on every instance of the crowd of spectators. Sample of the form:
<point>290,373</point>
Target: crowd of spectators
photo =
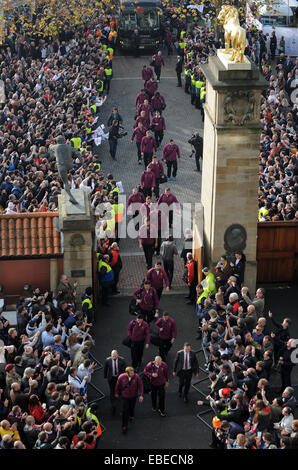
<point>45,366</point>
<point>52,87</point>
<point>278,114</point>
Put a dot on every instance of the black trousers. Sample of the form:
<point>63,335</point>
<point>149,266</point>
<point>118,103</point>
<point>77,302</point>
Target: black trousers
<point>179,78</point>
<point>107,85</point>
<point>197,157</point>
<point>164,347</point>
<point>147,192</point>
<point>168,266</point>
<point>139,151</point>
<point>112,384</point>
<point>148,251</point>
<point>113,147</point>
<point>156,188</point>
<point>157,70</point>
<point>137,350</point>
<point>285,373</point>
<point>172,166</point>
<point>105,290</point>
<point>158,392</point>
<point>147,158</point>
<point>192,292</point>
<point>198,102</point>
<point>158,137</point>
<point>128,409</point>
<point>159,292</point>
<point>184,381</point>
<point>187,86</point>
<point>116,279</point>
<point>148,315</point>
<point>192,98</point>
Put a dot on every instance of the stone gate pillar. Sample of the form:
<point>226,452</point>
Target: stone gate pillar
<point>76,222</point>
<point>230,160</point>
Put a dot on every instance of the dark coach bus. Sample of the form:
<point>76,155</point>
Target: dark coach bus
<point>143,16</point>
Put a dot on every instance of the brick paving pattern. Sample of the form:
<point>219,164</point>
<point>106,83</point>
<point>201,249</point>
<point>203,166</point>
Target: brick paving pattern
<point>181,119</point>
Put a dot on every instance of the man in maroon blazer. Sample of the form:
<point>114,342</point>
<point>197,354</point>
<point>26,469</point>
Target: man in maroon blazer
<point>139,333</point>
<point>157,276</point>
<point>129,386</point>
<point>158,374</point>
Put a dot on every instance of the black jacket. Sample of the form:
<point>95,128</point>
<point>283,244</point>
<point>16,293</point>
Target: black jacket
<point>108,367</point>
<point>179,66</point>
<point>197,141</point>
<point>179,362</point>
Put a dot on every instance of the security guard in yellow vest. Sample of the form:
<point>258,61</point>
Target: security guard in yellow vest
<point>187,80</point>
<point>77,142</point>
<point>109,76</point>
<point>181,48</point>
<point>199,84</point>
<point>182,34</point>
<point>87,307</point>
<point>93,108</point>
<point>110,51</point>
<point>92,417</point>
<point>105,276</point>
<point>114,193</point>
<point>100,84</point>
<point>202,100</point>
<point>193,89</point>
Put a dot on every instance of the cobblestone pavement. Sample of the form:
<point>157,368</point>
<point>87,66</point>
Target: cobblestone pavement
<point>181,119</point>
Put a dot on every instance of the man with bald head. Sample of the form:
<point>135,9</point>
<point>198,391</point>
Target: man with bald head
<point>113,367</point>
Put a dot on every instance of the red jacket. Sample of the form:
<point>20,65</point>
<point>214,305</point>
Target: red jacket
<point>190,271</point>
<point>37,412</point>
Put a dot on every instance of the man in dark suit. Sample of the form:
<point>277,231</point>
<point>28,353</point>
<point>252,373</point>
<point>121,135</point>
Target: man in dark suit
<point>114,366</point>
<point>179,66</point>
<point>185,365</point>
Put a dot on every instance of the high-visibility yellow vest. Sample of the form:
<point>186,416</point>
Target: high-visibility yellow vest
<point>93,107</point>
<point>199,83</point>
<point>95,419</point>
<point>96,165</point>
<point>193,80</point>
<point>182,45</point>
<point>88,130</point>
<point>202,93</point>
<point>210,287</point>
<point>100,82</point>
<point>111,52</point>
<point>114,190</point>
<point>77,142</point>
<point>109,72</point>
<point>182,34</point>
<point>88,302</point>
<point>262,212</point>
<point>119,210</point>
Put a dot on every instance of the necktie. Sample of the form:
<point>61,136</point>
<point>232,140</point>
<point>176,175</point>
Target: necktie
<point>115,367</point>
<point>186,361</point>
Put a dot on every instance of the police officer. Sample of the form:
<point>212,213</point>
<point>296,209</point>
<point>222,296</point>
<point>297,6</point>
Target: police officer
<point>87,307</point>
<point>105,276</point>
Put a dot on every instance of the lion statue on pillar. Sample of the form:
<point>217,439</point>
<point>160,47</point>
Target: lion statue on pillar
<point>235,36</point>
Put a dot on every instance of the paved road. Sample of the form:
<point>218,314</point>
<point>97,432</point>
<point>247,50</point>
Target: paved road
<point>181,119</point>
<point>180,429</point>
